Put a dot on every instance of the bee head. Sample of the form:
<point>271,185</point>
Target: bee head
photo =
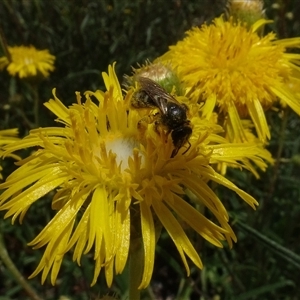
<point>180,136</point>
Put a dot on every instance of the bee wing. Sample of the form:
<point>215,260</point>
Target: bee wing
<point>158,95</point>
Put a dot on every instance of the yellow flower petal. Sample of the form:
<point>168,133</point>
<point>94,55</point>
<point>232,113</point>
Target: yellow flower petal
<point>148,233</point>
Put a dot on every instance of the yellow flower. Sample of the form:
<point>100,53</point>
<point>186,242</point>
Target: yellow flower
<point>234,71</point>
<point>111,167</point>
<point>7,136</point>
<point>27,62</point>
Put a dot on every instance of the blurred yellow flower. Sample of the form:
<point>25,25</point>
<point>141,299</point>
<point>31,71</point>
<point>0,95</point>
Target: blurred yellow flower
<point>27,62</point>
<point>7,136</point>
<point>111,168</point>
<point>234,71</point>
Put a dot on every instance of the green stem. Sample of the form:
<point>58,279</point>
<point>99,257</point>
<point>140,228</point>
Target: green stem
<point>278,159</point>
<point>21,113</point>
<point>136,264</point>
<point>281,146</point>
<point>15,272</point>
<point>286,254</point>
<point>4,45</point>
<point>36,104</point>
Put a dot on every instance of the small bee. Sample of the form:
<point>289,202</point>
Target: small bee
<point>172,114</point>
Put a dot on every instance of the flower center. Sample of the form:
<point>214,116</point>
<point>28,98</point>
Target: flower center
<point>123,148</point>
<point>28,60</point>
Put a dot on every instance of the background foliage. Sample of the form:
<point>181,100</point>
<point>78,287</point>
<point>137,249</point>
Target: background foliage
<point>86,36</point>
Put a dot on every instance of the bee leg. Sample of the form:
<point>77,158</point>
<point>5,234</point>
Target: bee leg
<point>161,130</point>
<point>143,123</point>
<point>174,152</point>
<point>188,148</point>
<point>176,149</point>
<point>156,122</point>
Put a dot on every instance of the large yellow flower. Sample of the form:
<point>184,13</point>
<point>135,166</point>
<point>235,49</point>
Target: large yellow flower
<point>27,62</point>
<point>7,136</point>
<point>110,168</point>
<point>234,71</point>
